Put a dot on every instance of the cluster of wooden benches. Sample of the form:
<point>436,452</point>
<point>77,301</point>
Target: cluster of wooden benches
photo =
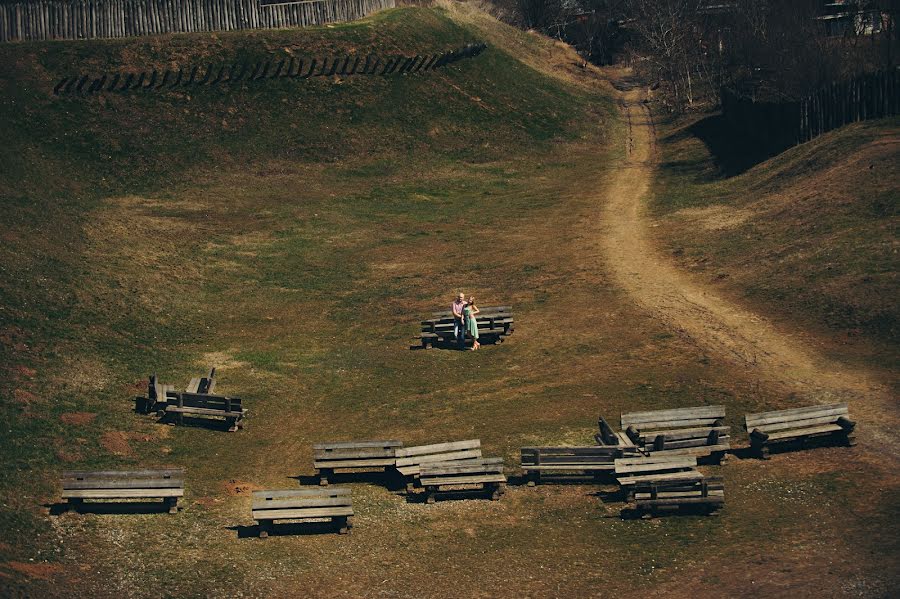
<point>654,457</point>
<point>495,323</point>
<point>439,468</point>
<point>196,401</point>
<point>653,460</point>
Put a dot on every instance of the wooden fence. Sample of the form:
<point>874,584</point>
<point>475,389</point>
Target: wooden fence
<point>273,68</point>
<point>90,19</point>
<point>783,124</point>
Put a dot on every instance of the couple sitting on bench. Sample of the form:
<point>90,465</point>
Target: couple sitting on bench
<point>464,321</point>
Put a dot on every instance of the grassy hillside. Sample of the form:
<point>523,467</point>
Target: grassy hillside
<point>809,234</point>
<point>293,233</point>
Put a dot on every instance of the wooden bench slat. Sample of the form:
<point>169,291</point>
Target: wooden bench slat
<point>701,451</point>
<point>412,466</point>
<point>805,432</point>
<point>795,411</point>
<point>675,494</point>
<point>460,469</point>
<point>300,503</point>
<point>302,493</point>
<point>206,411</point>
<point>351,454</point>
<point>675,414</point>
<point>124,483</point>
<point>684,433</point>
<point>795,424</point>
<point>422,450</point>
<point>194,385</point>
<point>446,481</point>
<point>660,477</point>
<point>363,463</point>
<point>120,493</point>
<point>599,466</point>
<point>828,415</point>
<point>659,459</point>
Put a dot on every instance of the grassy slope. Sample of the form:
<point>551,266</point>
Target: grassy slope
<point>292,233</point>
<point>810,234</point>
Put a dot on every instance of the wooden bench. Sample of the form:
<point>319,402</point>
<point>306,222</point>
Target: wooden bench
<point>706,494</point>
<point>204,385</point>
<point>495,324</point>
<point>411,459</point>
<point>366,455</point>
<point>699,431</point>
<point>158,395</point>
<point>208,406</point>
<point>653,469</point>
<point>607,437</point>
<point>800,424</point>
<point>166,484</point>
<point>482,474</point>
<point>590,460</point>
<point>314,504</point>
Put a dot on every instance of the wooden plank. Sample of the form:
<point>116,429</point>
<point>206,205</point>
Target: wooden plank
<point>301,503</point>
<point>351,454</point>
<point>460,469</point>
<point>624,440</point>
<point>669,424</point>
<point>779,418</point>
<point>356,445</point>
<point>361,463</point>
<point>120,493</point>
<point>586,466</point>
<point>206,411</point>
<point>679,494</point>
<point>803,410</point>
<point>421,450</point>
<point>697,452</point>
<point>193,385</point>
<point>805,432</point>
<point>710,499</point>
<point>684,433</point>
<point>461,480</point>
<point>583,450</point>
<point>412,465</point>
<point>309,492</point>
<point>325,512</point>
<point>649,460</point>
<point>675,414</point>
<point>633,480</point>
<point>125,483</point>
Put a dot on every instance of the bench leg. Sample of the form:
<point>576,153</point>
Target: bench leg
<point>410,486</point>
<point>264,527</point>
<point>74,504</point>
<point>344,525</point>
<point>233,425</point>
<point>429,497</point>
<point>323,477</point>
<point>172,503</point>
<point>497,491</point>
<point>849,439</point>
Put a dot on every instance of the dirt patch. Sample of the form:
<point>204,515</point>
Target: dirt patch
<point>237,487</point>
<point>78,418</point>
<point>24,371</point>
<point>715,218</point>
<point>221,361</point>
<point>36,570</point>
<point>116,442</point>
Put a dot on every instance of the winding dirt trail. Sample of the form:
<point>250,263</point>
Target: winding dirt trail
<point>723,328</point>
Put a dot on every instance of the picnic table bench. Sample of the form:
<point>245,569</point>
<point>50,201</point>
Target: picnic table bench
<point>313,504</point>
<point>166,484</point>
<point>607,437</point>
<point>482,474</point>
<point>651,497</point>
<point>800,424</point>
<point>630,472</point>
<point>207,406</point>
<point>358,455</point>
<point>588,460</point>
<point>696,431</point>
<point>410,460</point>
<point>158,394</point>
<point>204,384</point>
<point>495,323</point>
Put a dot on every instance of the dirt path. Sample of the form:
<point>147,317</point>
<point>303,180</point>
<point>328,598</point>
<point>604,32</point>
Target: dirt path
<point>721,327</point>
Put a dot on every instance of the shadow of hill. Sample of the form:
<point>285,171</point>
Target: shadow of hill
<point>732,154</point>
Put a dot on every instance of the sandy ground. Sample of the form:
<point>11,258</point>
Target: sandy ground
<point>787,360</point>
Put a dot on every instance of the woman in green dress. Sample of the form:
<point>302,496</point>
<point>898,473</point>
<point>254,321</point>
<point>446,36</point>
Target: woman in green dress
<point>470,311</point>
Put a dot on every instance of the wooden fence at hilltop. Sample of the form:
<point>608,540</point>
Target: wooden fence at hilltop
<point>91,19</point>
<point>784,124</point>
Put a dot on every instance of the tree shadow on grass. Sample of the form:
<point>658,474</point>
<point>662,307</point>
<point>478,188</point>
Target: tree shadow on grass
<point>732,153</point>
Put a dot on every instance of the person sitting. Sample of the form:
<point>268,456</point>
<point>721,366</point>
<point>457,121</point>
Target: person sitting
<point>459,325</point>
<point>471,311</point>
